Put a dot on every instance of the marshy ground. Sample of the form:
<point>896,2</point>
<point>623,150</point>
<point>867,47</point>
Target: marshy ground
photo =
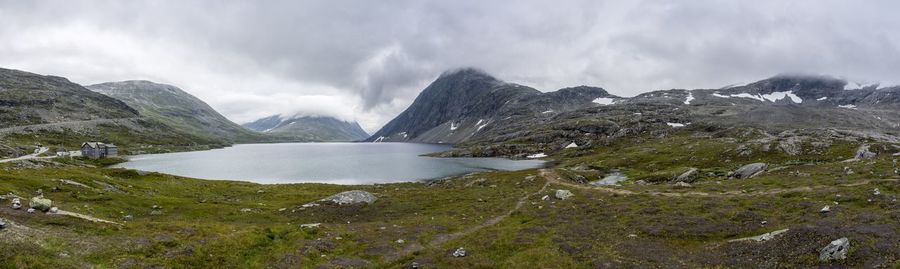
<point>502,219</point>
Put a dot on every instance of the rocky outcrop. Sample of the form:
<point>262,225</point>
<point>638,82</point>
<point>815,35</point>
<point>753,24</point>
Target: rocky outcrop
<point>563,194</point>
<point>750,170</point>
<point>688,176</point>
<point>836,250</point>
<point>351,197</point>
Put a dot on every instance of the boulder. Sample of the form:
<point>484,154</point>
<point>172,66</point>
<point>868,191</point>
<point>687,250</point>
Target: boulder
<point>750,170</point>
<point>40,203</point>
<point>688,176</point>
<point>563,194</point>
<point>863,153</point>
<point>836,250</point>
<point>351,197</point>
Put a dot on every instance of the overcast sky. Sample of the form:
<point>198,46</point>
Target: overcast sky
<point>366,60</point>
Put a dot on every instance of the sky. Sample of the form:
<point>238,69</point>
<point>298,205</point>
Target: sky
<point>367,60</point>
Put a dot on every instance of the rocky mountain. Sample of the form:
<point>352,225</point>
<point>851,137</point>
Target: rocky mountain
<point>488,117</point>
<point>175,107</point>
<point>309,128</point>
<point>50,110</point>
<point>29,99</point>
<point>461,104</point>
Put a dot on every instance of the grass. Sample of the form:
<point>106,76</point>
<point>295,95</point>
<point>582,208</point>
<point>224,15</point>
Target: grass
<point>199,223</point>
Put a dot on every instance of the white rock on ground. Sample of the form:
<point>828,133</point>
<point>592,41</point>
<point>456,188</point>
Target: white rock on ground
<point>351,197</point>
<point>836,250</point>
<point>16,203</point>
<point>310,225</point>
<point>825,209</point>
<point>460,252</point>
<point>759,238</point>
<point>563,194</point>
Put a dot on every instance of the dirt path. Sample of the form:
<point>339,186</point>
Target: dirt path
<point>552,177</point>
<point>440,239</point>
<point>29,156</point>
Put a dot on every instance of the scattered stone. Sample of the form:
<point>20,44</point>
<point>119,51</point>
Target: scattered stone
<point>848,171</point>
<point>400,241</point>
<point>750,170</point>
<point>632,235</point>
<point>246,210</point>
<point>155,207</point>
<point>128,218</point>
<point>40,203</point>
<point>681,184</point>
<point>876,192</point>
<point>545,198</point>
<point>30,210</point>
<point>825,209</point>
<point>640,182</point>
<point>310,225</point>
<point>836,250</point>
<point>460,252</point>
<point>414,265</point>
<point>54,210</point>
<point>863,153</point>
<point>351,197</point>
<point>688,176</point>
<point>282,209</point>
<point>16,203</point>
<point>759,238</point>
<point>108,187</point>
<point>563,194</point>
<point>2,225</point>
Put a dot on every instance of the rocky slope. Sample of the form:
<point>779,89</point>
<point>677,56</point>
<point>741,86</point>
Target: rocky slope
<point>29,99</point>
<point>460,105</point>
<point>309,128</point>
<point>784,108</point>
<point>175,107</point>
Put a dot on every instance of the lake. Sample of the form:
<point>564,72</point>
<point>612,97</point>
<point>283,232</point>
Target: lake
<point>334,163</point>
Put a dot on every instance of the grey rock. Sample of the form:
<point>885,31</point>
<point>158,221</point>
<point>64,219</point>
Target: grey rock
<point>460,252</point>
<point>2,225</point>
<point>683,184</point>
<point>351,197</point>
<point>688,176</point>
<point>836,250</point>
<point>863,153</point>
<point>40,203</point>
<point>563,194</point>
<point>750,170</point>
<point>245,210</point>
<point>30,210</point>
<point>759,238</point>
<point>54,210</point>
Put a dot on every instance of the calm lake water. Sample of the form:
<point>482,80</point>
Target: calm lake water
<point>335,163</point>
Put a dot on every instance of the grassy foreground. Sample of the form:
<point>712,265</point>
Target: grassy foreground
<point>500,218</point>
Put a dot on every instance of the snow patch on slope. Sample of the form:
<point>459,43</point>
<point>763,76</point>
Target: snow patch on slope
<point>689,98</point>
<point>604,101</point>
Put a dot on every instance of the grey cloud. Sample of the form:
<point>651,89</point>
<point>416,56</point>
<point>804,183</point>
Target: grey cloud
<point>372,57</point>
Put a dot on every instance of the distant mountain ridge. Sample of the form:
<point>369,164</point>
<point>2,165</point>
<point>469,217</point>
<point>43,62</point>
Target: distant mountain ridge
<point>175,107</point>
<point>309,128</point>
